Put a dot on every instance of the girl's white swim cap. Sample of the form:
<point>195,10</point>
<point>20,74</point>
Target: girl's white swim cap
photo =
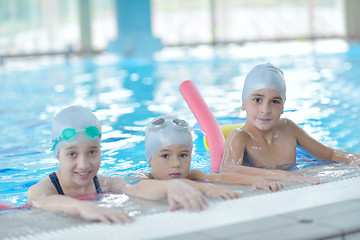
<point>73,117</point>
<point>165,131</point>
<point>264,76</point>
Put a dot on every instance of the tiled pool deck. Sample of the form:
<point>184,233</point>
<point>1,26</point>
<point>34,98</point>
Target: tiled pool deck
<point>333,221</point>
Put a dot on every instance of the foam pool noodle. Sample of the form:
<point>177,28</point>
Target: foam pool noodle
<point>207,122</point>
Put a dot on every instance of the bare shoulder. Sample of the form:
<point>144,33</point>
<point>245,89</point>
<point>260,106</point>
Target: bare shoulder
<point>106,180</point>
<point>235,145</point>
<point>285,122</point>
<point>42,188</point>
<point>237,135</point>
<point>288,125</point>
<point>111,183</point>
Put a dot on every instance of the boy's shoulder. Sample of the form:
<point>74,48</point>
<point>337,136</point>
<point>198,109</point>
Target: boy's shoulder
<point>286,123</point>
<point>239,133</point>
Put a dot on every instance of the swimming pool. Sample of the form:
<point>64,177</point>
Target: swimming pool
<point>321,76</point>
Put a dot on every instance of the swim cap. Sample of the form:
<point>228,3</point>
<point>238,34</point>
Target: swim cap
<point>264,76</point>
<point>165,131</point>
<point>77,118</point>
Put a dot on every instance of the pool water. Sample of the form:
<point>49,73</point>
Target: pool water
<point>321,77</point>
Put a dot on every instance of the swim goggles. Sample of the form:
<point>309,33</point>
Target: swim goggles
<point>69,134</point>
<point>177,123</point>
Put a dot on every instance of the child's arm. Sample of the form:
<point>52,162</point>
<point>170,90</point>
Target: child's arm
<point>273,174</point>
<point>237,178</point>
<point>211,190</point>
<point>320,151</point>
<point>41,196</point>
<point>232,161</point>
<point>175,191</point>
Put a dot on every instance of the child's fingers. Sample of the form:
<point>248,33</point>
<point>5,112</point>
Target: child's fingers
<point>224,195</point>
<point>315,181</point>
<point>196,204</point>
<point>203,201</point>
<point>122,218</point>
<point>268,189</point>
<point>276,186</point>
<point>104,219</point>
<point>229,194</point>
<point>198,201</point>
<point>265,187</point>
<point>115,217</point>
<point>355,161</point>
<point>189,202</point>
<point>233,195</point>
<point>172,204</point>
<point>272,188</point>
<point>186,203</point>
<point>192,204</point>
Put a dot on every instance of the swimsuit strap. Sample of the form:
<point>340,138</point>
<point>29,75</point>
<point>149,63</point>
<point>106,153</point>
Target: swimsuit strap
<point>97,185</point>
<point>248,159</point>
<point>54,179</point>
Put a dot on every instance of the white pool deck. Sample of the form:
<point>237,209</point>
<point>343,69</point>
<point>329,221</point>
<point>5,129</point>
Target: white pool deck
<point>300,211</point>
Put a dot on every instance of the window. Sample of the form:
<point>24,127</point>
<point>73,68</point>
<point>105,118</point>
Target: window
<point>221,21</point>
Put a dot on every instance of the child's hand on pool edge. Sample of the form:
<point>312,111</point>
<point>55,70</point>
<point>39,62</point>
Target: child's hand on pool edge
<point>354,159</point>
<point>268,186</point>
<point>179,192</point>
<point>93,212</point>
<point>219,192</point>
<point>294,177</point>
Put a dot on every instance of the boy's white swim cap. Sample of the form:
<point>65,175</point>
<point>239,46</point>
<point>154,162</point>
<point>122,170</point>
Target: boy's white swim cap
<point>165,131</point>
<point>73,117</point>
<point>264,76</point>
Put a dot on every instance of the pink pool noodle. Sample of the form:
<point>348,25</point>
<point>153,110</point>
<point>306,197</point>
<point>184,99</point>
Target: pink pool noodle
<point>207,121</point>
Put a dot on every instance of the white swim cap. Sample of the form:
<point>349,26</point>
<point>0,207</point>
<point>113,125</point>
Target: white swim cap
<point>74,125</point>
<point>264,76</point>
<point>165,131</point>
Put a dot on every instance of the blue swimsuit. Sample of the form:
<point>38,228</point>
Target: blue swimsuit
<point>247,160</point>
<point>54,179</point>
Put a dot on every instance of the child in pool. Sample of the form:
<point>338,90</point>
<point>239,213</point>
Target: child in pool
<point>168,147</point>
<point>76,134</point>
<point>266,140</point>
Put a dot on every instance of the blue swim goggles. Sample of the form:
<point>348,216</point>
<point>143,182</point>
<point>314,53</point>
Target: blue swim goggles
<point>69,134</point>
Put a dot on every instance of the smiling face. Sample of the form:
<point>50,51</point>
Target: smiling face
<point>263,108</point>
<point>171,162</point>
<point>80,162</point>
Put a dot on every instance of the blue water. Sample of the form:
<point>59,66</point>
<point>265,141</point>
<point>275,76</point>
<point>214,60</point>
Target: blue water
<point>322,96</point>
